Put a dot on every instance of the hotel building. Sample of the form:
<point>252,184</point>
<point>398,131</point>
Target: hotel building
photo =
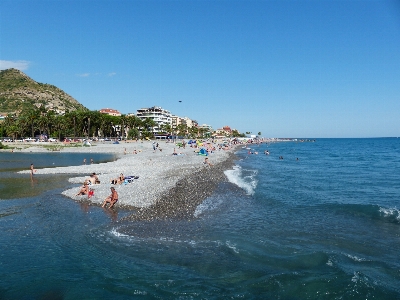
<point>159,115</point>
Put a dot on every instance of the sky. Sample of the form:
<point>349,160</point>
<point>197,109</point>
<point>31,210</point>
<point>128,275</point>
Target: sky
<point>300,69</point>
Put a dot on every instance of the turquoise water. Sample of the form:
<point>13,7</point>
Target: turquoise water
<point>325,226</point>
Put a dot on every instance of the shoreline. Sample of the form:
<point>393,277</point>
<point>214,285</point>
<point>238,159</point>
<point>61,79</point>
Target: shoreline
<point>181,201</point>
<point>164,179</point>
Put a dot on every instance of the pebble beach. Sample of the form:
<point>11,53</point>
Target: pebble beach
<point>168,186</point>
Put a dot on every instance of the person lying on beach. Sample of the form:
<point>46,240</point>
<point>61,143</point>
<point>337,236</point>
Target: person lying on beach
<point>118,180</point>
<point>84,190</point>
<point>112,199</point>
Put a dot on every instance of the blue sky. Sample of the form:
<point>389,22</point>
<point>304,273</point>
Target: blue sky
<point>283,68</point>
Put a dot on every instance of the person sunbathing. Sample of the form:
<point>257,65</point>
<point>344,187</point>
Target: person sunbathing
<point>118,180</point>
<point>84,190</point>
<point>112,199</point>
<point>93,179</point>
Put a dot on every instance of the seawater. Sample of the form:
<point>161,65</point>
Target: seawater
<point>321,223</point>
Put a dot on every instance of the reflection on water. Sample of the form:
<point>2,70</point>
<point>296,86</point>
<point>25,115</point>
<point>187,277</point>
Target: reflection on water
<point>113,214</point>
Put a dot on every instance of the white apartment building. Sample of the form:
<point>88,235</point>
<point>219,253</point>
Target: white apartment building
<point>159,115</point>
<point>206,127</point>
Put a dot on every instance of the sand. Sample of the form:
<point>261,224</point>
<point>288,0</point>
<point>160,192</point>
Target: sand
<point>169,186</point>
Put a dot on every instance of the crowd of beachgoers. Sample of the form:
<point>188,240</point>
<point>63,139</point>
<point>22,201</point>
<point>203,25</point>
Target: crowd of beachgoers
<point>144,172</point>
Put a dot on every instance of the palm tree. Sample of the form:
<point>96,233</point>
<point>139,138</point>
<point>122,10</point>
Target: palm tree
<point>123,119</point>
<point>32,116</point>
<point>60,123</point>
<point>13,131</point>
<point>50,118</point>
<point>148,125</point>
<point>182,128</point>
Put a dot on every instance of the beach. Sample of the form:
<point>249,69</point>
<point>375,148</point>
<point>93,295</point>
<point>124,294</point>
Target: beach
<point>168,186</point>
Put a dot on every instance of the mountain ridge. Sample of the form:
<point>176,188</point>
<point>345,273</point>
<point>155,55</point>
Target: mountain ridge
<point>19,91</point>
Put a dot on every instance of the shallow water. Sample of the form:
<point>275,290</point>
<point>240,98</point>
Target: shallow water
<point>326,226</point>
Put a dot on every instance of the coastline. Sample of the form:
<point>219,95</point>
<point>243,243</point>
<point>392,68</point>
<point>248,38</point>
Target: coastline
<point>169,186</point>
<point>181,201</point>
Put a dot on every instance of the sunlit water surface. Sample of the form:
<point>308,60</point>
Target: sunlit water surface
<point>323,223</point>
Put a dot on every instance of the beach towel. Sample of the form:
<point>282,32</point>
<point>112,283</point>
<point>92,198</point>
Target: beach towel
<point>129,179</point>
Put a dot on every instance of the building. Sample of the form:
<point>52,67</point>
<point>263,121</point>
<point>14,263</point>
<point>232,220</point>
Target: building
<point>189,123</point>
<point>110,111</point>
<point>206,127</point>
<point>225,131</point>
<point>159,115</point>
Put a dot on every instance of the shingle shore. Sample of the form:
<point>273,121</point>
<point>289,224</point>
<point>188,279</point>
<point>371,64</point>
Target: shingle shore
<point>156,193</point>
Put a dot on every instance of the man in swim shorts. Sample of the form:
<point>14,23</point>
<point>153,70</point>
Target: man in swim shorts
<point>112,199</point>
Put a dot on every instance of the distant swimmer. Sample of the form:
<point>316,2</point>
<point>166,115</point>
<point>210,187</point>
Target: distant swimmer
<point>266,152</point>
<point>280,157</point>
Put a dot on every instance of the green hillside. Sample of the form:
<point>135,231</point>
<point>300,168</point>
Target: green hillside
<point>18,91</point>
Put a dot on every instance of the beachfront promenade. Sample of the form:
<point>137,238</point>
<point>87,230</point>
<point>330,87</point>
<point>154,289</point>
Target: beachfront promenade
<point>159,172</point>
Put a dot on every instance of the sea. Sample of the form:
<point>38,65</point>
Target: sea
<point>314,219</point>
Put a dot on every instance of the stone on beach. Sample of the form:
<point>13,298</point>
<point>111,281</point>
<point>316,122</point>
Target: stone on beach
<point>159,172</point>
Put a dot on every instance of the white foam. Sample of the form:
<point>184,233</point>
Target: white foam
<point>245,179</point>
<point>208,204</point>
<point>232,246</point>
<point>118,234</point>
<point>355,258</point>
<point>390,212</point>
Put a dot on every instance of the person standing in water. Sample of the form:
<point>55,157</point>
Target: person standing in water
<point>32,170</point>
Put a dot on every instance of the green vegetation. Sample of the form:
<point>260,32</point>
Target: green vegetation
<point>31,111</point>
<point>34,122</point>
<point>19,92</point>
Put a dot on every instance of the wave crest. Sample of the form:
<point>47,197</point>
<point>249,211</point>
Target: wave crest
<point>243,178</point>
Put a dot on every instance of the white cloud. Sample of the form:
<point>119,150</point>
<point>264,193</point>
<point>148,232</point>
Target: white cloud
<point>83,75</point>
<point>95,74</point>
<point>16,64</point>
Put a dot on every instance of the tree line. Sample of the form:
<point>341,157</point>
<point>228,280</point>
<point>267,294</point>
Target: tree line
<point>32,122</point>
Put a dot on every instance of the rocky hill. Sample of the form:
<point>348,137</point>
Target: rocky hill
<point>18,91</point>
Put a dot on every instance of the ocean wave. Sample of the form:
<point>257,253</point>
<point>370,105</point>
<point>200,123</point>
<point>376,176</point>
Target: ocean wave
<point>390,213</point>
<point>370,211</point>
<point>243,178</point>
<point>208,204</point>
